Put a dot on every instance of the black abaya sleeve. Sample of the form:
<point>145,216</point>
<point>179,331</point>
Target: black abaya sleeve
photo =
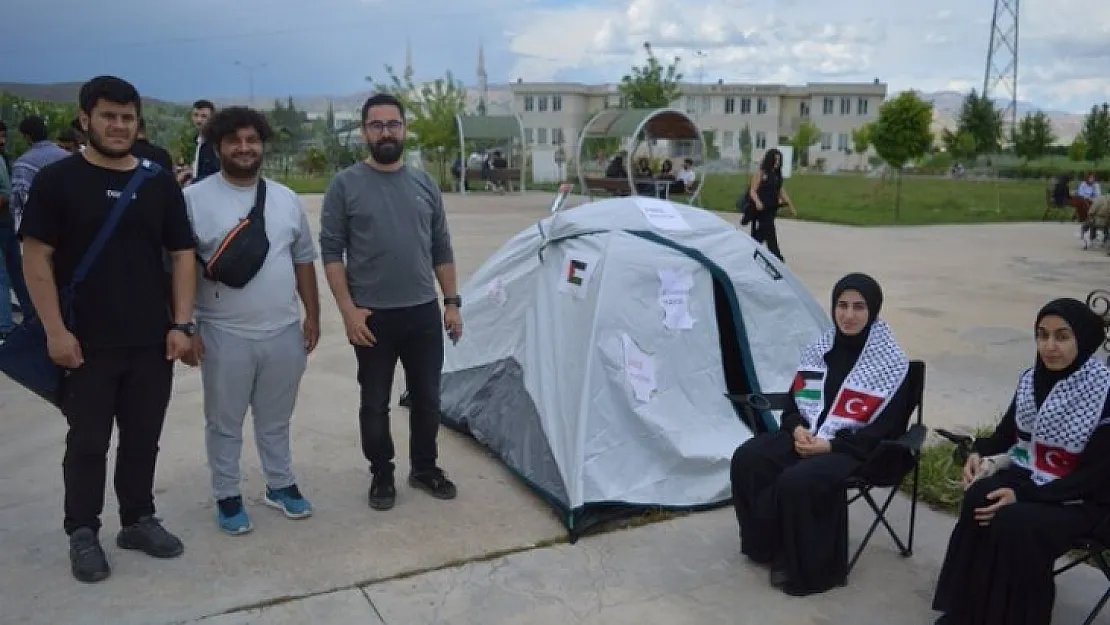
<point>1004,437</point>
<point>1089,481</point>
<point>791,416</point>
<point>888,425</point>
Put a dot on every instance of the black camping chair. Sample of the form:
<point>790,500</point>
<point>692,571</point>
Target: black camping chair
<point>1093,548</point>
<point>887,466</point>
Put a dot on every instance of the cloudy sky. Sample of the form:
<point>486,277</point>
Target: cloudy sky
<point>190,48</point>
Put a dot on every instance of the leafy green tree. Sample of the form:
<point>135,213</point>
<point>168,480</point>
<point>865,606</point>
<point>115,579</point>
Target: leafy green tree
<point>960,144</point>
<point>1096,132</point>
<point>902,134</point>
<point>746,146</point>
<point>807,135</point>
<point>431,109</point>
<point>980,119</point>
<point>1078,149</point>
<point>1033,136</point>
<point>861,140</point>
<point>653,84</point>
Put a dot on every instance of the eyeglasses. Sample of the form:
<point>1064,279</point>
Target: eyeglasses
<point>393,125</point>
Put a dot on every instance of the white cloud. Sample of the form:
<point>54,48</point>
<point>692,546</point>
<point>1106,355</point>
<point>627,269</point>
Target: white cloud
<point>931,45</point>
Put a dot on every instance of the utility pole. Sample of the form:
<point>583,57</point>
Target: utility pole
<point>250,77</point>
<point>1002,60</point>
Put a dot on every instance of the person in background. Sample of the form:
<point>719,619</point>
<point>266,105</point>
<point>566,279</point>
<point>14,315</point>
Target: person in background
<point>4,150</point>
<point>387,221</point>
<point>686,178</point>
<point>251,345</point>
<point>68,141</point>
<point>120,352</point>
<point>143,148</point>
<point>1087,192</point>
<point>7,323</point>
<point>767,193</point>
<point>205,160</point>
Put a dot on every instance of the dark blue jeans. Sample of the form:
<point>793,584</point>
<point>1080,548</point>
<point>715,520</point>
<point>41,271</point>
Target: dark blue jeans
<point>11,278</point>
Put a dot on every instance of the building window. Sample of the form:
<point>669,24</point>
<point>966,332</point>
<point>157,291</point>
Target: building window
<point>542,104</point>
<point>556,136</point>
<point>541,136</point>
<point>826,140</point>
<point>529,137</point>
<point>862,105</point>
<point>745,106</point>
<point>730,106</point>
<point>556,103</point>
<point>529,103</point>
<point>845,106</point>
<point>842,142</point>
<point>761,106</point>
<point>706,104</point>
<point>827,106</point>
<point>761,140</point>
<point>728,139</point>
<point>803,109</point>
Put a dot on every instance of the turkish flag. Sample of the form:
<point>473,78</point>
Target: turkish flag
<point>855,405</point>
<point>1055,460</point>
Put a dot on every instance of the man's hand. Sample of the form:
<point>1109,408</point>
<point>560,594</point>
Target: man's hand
<point>452,322</point>
<point>971,469</point>
<point>195,354</point>
<point>1001,497</point>
<point>64,350</point>
<point>311,331</point>
<point>814,447</point>
<point>178,344</point>
<point>358,332</point>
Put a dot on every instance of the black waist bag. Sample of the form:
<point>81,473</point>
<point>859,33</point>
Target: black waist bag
<point>241,253</point>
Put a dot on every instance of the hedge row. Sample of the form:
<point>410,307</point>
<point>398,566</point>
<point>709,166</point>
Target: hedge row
<point>1034,170</point>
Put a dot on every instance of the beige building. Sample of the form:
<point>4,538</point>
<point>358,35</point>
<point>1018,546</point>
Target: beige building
<point>555,113</point>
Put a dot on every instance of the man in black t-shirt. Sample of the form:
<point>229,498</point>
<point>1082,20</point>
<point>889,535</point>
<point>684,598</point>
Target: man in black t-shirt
<point>121,350</point>
<point>143,148</point>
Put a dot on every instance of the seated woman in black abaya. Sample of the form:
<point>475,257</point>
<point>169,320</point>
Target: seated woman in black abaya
<point>1014,524</point>
<point>788,487</point>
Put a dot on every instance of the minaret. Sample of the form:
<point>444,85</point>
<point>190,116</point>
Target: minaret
<point>408,61</point>
<point>483,80</point>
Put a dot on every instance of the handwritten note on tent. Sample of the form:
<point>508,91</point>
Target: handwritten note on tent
<point>497,292</point>
<point>663,215</point>
<point>639,368</point>
<point>674,297</point>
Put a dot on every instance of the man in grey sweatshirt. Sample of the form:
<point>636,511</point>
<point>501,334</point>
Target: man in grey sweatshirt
<point>387,221</point>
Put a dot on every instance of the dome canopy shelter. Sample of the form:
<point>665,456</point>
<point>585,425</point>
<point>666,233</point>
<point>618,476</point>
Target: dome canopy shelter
<point>493,127</point>
<point>662,123</point>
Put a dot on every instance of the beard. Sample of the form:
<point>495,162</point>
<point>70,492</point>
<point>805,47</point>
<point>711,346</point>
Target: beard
<point>386,151</point>
<point>233,169</point>
<point>97,144</point>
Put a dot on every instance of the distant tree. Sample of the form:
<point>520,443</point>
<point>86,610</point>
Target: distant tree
<point>329,118</point>
<point>1078,149</point>
<point>959,144</point>
<point>807,134</point>
<point>1096,132</point>
<point>746,146</point>
<point>653,84</point>
<point>979,118</point>
<point>861,140</point>
<point>1033,136</point>
<point>902,134</point>
<point>431,109</point>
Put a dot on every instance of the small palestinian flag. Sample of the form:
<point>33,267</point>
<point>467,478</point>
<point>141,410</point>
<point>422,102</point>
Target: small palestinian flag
<point>807,385</point>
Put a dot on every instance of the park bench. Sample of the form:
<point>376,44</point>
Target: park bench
<point>607,186</point>
<point>501,177</point>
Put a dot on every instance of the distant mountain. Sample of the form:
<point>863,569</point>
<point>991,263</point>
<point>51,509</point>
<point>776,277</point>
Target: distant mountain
<point>946,108</point>
<point>59,92</point>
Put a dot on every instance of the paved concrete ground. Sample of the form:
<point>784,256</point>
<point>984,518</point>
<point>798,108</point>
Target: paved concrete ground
<point>962,298</point>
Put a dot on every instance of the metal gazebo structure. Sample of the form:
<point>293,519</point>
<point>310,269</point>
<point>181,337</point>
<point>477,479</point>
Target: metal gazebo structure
<point>661,123</point>
<point>492,127</point>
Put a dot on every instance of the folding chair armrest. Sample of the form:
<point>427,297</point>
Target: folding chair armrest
<point>911,441</point>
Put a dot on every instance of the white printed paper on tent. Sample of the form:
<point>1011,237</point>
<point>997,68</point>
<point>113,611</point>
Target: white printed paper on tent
<point>578,270</point>
<point>674,298</point>
<point>498,293</point>
<point>661,214</point>
<point>639,368</point>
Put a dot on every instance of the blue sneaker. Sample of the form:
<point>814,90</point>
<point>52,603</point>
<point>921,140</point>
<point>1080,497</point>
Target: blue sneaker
<point>232,516</point>
<point>289,500</point>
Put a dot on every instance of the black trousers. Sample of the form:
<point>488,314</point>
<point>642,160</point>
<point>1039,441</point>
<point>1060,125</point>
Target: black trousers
<point>413,335</point>
<point>763,231</point>
<point>131,388</point>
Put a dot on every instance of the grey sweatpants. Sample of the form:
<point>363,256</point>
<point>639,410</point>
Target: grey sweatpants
<point>263,375</point>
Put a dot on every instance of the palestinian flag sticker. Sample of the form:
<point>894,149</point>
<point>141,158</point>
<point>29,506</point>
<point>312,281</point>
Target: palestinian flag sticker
<point>807,385</point>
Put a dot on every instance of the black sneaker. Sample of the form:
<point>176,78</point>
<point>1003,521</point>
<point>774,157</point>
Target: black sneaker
<point>383,494</point>
<point>151,538</point>
<point>86,557</point>
<point>434,482</point>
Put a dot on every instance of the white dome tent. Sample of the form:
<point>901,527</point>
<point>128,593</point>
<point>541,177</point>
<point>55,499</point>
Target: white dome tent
<point>600,345</point>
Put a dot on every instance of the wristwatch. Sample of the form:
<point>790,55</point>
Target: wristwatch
<point>455,301</point>
<point>188,329</point>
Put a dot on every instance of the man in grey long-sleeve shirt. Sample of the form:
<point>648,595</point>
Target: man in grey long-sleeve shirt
<point>387,222</point>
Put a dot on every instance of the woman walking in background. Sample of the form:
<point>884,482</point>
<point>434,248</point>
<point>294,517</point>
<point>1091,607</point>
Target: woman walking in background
<point>766,194</point>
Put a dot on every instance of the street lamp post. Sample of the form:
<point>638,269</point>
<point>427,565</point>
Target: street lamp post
<point>250,77</point>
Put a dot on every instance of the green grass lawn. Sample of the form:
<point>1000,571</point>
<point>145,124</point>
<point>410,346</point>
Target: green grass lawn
<point>857,200</point>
